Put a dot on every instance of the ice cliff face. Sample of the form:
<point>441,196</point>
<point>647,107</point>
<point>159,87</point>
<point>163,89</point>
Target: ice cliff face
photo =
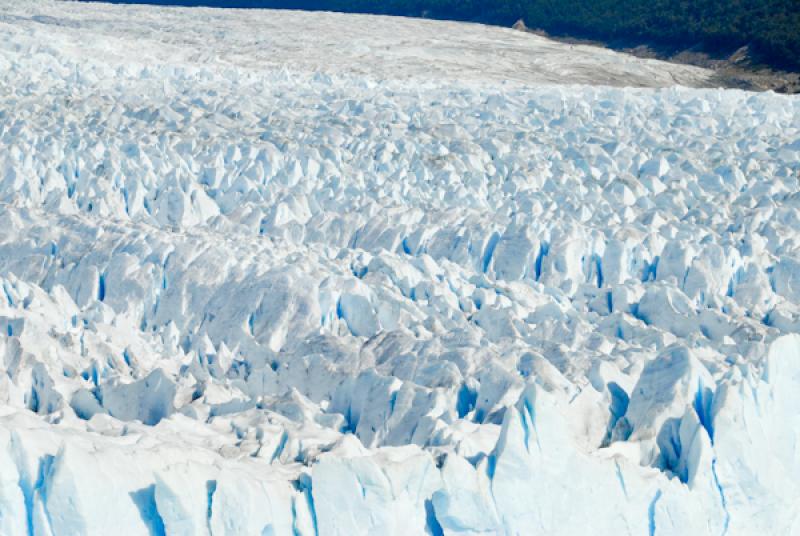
<point>254,284</point>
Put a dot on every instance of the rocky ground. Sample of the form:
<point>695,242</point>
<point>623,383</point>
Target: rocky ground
<point>740,70</point>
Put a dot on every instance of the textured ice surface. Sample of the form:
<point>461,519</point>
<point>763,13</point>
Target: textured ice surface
<point>281,273</point>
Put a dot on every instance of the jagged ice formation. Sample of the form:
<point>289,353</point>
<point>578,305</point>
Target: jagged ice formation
<point>281,273</point>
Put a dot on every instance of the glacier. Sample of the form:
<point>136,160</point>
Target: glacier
<point>273,272</point>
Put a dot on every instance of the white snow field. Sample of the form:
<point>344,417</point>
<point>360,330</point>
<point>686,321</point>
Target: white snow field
<point>272,273</point>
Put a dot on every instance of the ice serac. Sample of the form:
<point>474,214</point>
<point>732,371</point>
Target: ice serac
<point>13,508</point>
<point>528,469</point>
<point>672,383</point>
<point>521,487</point>
<point>385,492</point>
<point>755,440</point>
<point>392,276</point>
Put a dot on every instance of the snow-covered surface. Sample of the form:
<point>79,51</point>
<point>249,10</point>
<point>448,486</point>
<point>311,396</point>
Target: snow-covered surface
<point>282,273</point>
<point>362,45</point>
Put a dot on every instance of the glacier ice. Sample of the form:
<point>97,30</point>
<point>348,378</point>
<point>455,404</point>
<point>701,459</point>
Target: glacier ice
<point>429,279</point>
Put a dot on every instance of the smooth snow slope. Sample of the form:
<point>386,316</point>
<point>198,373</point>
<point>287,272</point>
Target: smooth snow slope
<point>337,44</point>
<point>259,279</point>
